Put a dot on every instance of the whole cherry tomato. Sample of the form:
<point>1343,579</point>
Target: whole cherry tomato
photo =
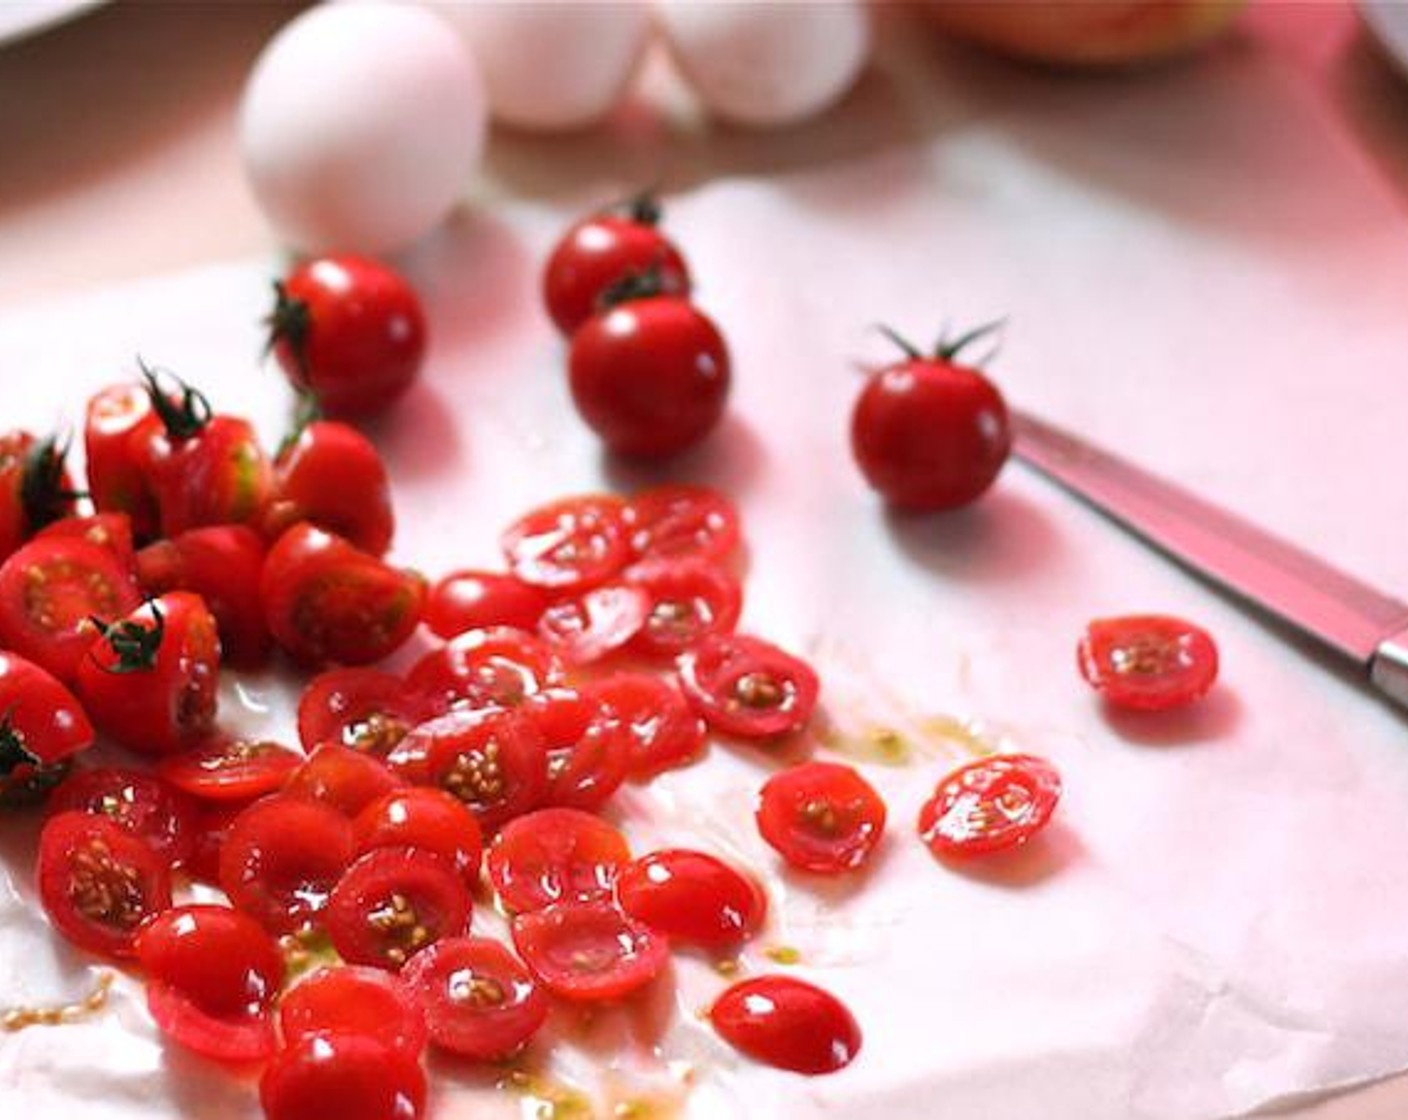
<point>331,476</point>
<point>35,488</point>
<point>348,330</point>
<point>650,376</point>
<point>119,423</point>
<point>42,727</point>
<point>929,433</point>
<point>1147,662</point>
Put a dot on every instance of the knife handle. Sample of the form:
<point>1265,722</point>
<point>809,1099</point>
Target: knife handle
<point>1388,668</point>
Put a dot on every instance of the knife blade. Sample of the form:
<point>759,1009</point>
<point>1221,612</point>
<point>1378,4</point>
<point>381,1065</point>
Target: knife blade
<point>1347,616</point>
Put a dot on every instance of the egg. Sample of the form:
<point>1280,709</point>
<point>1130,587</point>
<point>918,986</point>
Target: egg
<point>361,125</point>
<point>553,66</point>
<point>767,64</point>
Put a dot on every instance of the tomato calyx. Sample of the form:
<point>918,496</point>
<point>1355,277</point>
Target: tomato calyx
<point>44,488</point>
<point>643,283</point>
<point>13,752</point>
<point>183,414</point>
<point>643,209</point>
<point>289,323</point>
<point>135,643</point>
<point>946,349</point>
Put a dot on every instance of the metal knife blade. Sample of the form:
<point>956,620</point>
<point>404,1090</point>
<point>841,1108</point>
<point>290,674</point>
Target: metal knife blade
<point>1359,622</point>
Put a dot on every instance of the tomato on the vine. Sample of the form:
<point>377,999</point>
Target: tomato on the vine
<point>570,544</point>
<point>555,855</point>
<point>989,805</point>
<point>473,600</point>
<point>821,816</point>
<point>1147,662</point>
<point>478,1000</point>
<point>142,803</point>
<point>589,951</point>
<point>747,687</point>
<point>331,476</point>
<point>351,1076</point>
<point>42,728</point>
<point>787,1023</point>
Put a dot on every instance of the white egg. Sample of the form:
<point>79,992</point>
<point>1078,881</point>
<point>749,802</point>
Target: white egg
<point>553,66</point>
<point>766,64</point>
<point>361,126</point>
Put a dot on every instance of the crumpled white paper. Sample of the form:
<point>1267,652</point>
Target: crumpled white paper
<point>1198,271</point>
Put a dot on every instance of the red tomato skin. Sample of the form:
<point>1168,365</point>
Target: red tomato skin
<point>555,855</point>
<point>691,897</point>
<point>488,1029</point>
<point>333,477</point>
<point>119,422</point>
<point>342,1075</point>
<point>474,600</point>
<point>715,677</point>
<point>170,704</point>
<point>589,951</point>
<point>662,730</point>
<point>598,253</point>
<point>690,600</point>
<point>587,627</point>
<point>680,522</point>
<point>428,819</point>
<point>363,337</point>
<point>212,825</point>
<point>222,768</point>
<point>588,749</point>
<point>367,710</point>
<point>1147,663</point>
<point>787,1023</point>
<point>143,804</point>
<point>930,434</point>
<point>218,476</point>
<point>112,531</point>
<point>569,545</point>
<point>992,804</point>
<point>222,564</point>
<point>821,817</point>
<point>650,376</point>
<point>345,780</point>
<point>354,1000</point>
<point>497,667</point>
<point>327,602</point>
<point>44,717</point>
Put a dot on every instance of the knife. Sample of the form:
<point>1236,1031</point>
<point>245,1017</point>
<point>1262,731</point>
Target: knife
<point>1357,622</point>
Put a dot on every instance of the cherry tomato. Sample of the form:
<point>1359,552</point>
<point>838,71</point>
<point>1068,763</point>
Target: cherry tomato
<point>588,747</point>
<point>1147,662</point>
<point>35,488</point>
<point>568,545</point>
<point>365,709</point>
<point>661,729</point>
<point>480,668</point>
<point>470,600</point>
<point>691,897</point>
<point>821,816</point>
<point>599,253</point>
<point>586,627</point>
<point>281,859</point>
<point>787,1023</point>
<point>394,902</point>
<point>342,1075</point>
<point>555,855</point>
<point>213,821</point>
<point>222,768</point>
<point>49,592</point>
<point>428,819</point>
<point>682,523</point>
<point>650,376</point>
<point>990,805</point>
<point>164,817</point>
<point>929,433</point>
<point>589,951</point>
<point>748,687</point>
<point>42,727</point>
<point>212,975</point>
<point>99,883</point>
<point>149,680</point>
<point>325,601</point>
<point>341,778</point>
<point>112,531</point>
<point>479,1001</point>
<point>352,1000</point>
<point>222,564</point>
<point>119,423</point>
<point>690,600</point>
<point>332,477</point>
<point>348,330</point>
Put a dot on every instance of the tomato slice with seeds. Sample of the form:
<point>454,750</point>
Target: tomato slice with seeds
<point>349,1076</point>
<point>141,803</point>
<point>555,855</point>
<point>366,709</point>
<point>692,897</point>
<point>227,769</point>
<point>354,1000</point>
<point>1148,663</point>
<point>341,778</point>
<point>690,600</point>
<point>99,883</point>
<point>42,728</point>
<point>589,951</point>
<point>748,687</point>
<point>587,745</point>
<point>569,545</point>
<point>787,1023</point>
<point>112,531</point>
<point>212,975</point>
<point>661,729</point>
<point>281,859</point>
<point>990,805</point>
<point>428,819</point>
<point>475,600</point>
<point>679,522</point>
<point>587,627</point>
<point>821,816</point>
<point>478,999</point>
<point>394,902</point>
<point>499,667</point>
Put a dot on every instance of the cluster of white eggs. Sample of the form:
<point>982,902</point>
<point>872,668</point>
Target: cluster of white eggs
<point>362,123</point>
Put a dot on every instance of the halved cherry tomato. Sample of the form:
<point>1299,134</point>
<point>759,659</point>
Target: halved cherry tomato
<point>1147,663</point>
<point>342,1075</point>
<point>212,825</point>
<point>281,859</point>
<point>589,951</point>
<point>569,545</point>
<point>691,897</point>
<point>223,768</point>
<point>748,687</point>
<point>990,805</point>
<point>353,1000</point>
<point>499,666</point>
<point>690,600</point>
<point>112,531</point>
<point>588,747</point>
<point>661,728</point>
<point>212,975</point>
<point>428,819</point>
<point>141,803</point>
<point>394,902</point>
<point>119,421</point>
<point>586,627</point>
<point>42,726</point>
<point>332,477</point>
<point>478,1000</point>
<point>821,816</point>
<point>35,488</point>
<point>555,855</point>
<point>326,601</point>
<point>471,600</point>
<point>149,680</point>
<point>50,590</point>
<point>787,1023</point>
<point>682,523</point>
<point>367,710</point>
<point>99,883</point>
<point>341,778</point>
<point>222,564</point>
